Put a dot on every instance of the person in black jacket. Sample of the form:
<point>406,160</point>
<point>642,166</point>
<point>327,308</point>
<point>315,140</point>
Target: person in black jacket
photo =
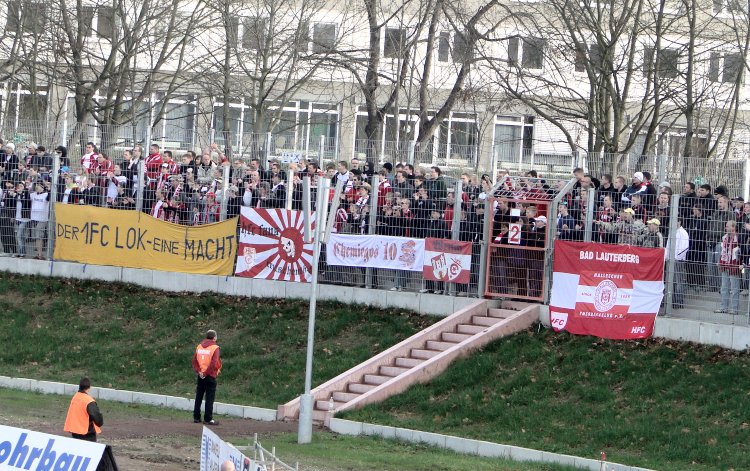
<point>7,214</point>
<point>62,151</point>
<point>435,228</point>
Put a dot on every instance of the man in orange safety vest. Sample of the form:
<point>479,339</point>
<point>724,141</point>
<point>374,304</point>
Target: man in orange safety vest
<point>84,418</point>
<point>207,365</point>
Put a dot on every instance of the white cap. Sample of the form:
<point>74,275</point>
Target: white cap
<point>638,175</point>
<point>541,218</point>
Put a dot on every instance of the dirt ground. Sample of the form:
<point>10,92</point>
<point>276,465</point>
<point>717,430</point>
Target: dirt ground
<point>160,444</point>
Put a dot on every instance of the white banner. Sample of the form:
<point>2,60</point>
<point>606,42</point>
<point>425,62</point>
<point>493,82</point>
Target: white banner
<point>215,451</point>
<point>25,449</point>
<point>372,251</point>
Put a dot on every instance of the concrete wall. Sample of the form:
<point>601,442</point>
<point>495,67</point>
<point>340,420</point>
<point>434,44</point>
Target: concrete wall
<point>135,397</point>
<point>430,304</point>
<point>736,337</point>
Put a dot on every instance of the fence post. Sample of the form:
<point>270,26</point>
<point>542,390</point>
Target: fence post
<point>410,155</point>
<point>671,263</point>
<point>141,185</point>
<point>589,216</point>
<point>289,189</point>
<point>456,224</point>
<point>267,153</point>
<point>662,164</point>
<point>54,176</point>
<point>371,225</point>
<point>484,247</point>
<point>224,189</point>
<point>746,185</point>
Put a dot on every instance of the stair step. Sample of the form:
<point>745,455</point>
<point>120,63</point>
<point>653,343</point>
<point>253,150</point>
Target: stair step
<point>501,313</point>
<point>376,379</point>
<point>454,337</point>
<point>360,388</point>
<point>325,406</point>
<point>406,362</point>
<point>484,320</point>
<point>422,353</point>
<point>469,329</point>
<point>392,371</point>
<point>441,346</point>
<point>340,396</point>
<point>514,305</point>
<point>319,416</point>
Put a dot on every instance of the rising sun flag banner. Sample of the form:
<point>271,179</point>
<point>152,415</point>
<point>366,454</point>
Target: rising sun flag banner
<point>271,245</point>
<point>609,291</point>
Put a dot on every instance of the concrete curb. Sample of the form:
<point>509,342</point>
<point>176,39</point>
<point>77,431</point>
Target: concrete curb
<point>473,447</point>
<point>134,397</point>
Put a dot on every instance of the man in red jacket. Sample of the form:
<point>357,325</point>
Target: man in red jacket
<point>207,365</point>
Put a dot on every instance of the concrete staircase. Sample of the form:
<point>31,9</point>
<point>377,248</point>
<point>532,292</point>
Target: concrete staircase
<point>416,359</point>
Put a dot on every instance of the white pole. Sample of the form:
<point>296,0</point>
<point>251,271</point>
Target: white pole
<point>304,432</point>
<point>746,186</point>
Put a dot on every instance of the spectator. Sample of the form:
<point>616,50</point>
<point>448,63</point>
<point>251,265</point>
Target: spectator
<point>403,188</point>
<point>607,214</point>
<point>88,160</point>
<point>652,238</point>
<point>637,186</point>
<point>436,185</point>
<point>628,229</point>
<point>536,238</point>
<point>682,245</point>
<point>7,216</point>
<point>38,217</point>
<point>62,153</point>
<point>567,227</point>
<point>22,216</point>
<point>641,211</point>
<point>687,200</point>
<point>717,224</point>
<point>729,268</point>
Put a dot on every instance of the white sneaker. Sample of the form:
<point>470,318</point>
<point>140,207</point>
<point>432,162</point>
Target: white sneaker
<point>438,291</point>
<point>394,289</point>
<point>424,290</point>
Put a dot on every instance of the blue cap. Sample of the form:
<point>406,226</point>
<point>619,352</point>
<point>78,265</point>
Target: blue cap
<point>65,169</point>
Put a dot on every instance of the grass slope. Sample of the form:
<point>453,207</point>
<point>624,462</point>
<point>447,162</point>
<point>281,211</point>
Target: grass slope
<point>126,337</point>
<point>658,404</point>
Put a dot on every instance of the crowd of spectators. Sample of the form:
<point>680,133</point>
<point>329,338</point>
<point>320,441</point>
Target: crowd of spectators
<point>713,243</point>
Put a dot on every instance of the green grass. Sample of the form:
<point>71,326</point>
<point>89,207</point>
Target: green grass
<point>126,337</point>
<point>327,451</point>
<point>658,404</point>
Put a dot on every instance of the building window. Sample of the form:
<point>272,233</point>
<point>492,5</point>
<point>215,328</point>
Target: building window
<point>395,41</point>
<point>669,60</point>
<point>86,20</point>
<point>726,72</point>
<point>591,57</point>
<point>531,52</point>
<point>727,6</point>
<point>444,46</point>
<point>253,33</point>
<point>105,22</point>
<point>733,65</point>
<point>26,16</point>
<point>302,38</point>
<point>324,37</point>
<point>462,51</point>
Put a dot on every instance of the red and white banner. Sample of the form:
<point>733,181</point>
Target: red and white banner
<point>373,251</point>
<point>271,246</point>
<point>447,260</point>
<point>610,291</point>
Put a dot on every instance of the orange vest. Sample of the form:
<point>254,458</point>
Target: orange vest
<point>78,419</point>
<point>204,355</point>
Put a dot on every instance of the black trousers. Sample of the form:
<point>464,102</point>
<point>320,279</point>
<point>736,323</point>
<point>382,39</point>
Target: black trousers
<point>205,386</point>
<point>89,437</point>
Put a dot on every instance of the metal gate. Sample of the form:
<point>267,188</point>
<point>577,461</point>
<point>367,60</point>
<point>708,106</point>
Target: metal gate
<point>516,248</point>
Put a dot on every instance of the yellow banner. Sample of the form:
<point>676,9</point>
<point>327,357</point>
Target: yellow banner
<point>134,239</point>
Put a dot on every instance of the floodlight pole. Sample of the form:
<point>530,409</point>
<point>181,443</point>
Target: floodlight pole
<point>306,401</point>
